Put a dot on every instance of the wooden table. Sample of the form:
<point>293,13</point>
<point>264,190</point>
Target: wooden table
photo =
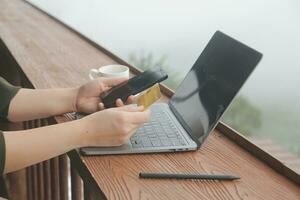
<point>51,55</point>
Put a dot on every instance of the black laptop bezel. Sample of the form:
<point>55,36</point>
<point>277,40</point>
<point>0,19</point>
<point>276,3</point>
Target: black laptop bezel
<point>199,141</point>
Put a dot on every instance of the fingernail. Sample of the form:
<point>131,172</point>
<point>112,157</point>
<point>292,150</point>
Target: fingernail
<point>141,107</point>
<point>101,106</point>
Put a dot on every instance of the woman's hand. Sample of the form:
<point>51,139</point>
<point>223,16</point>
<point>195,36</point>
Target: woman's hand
<point>31,104</point>
<point>87,98</point>
<point>112,127</point>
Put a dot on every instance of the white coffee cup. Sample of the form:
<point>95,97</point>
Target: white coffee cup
<point>110,71</point>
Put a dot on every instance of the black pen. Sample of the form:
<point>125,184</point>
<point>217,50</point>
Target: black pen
<point>187,176</point>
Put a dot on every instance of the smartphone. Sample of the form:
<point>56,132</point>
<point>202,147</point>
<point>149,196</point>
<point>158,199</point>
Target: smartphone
<point>133,86</point>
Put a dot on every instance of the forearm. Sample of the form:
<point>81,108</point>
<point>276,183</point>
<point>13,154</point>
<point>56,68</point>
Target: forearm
<point>28,147</point>
<point>31,104</point>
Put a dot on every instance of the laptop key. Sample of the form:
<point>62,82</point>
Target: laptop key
<point>182,142</point>
<point>152,136</point>
<point>179,137</point>
<point>145,140</point>
<point>147,144</point>
<point>166,142</point>
<point>175,141</point>
<point>162,137</point>
<point>169,131</point>
<point>132,142</point>
<point>142,135</point>
<point>158,132</point>
<point>172,136</point>
<point>156,143</point>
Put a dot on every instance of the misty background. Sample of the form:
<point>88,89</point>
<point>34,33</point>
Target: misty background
<point>173,33</point>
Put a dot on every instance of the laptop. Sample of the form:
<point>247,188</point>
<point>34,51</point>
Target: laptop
<point>192,113</point>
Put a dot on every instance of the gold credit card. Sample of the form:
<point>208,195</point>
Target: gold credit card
<point>150,96</point>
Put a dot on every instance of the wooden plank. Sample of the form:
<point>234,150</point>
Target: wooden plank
<point>29,184</point>
<point>47,57</point>
<point>47,180</point>
<point>76,185</point>
<point>34,177</point>
<point>214,156</point>
<point>41,183</point>
<point>63,177</point>
<point>259,153</point>
<point>46,172</point>
<point>39,190</point>
<point>55,186</point>
<point>29,180</point>
<point>88,195</point>
<point>85,174</point>
<point>16,184</point>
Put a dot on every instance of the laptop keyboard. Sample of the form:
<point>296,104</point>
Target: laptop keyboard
<point>160,131</point>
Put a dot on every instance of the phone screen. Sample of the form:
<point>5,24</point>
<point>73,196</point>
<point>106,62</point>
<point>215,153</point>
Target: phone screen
<point>133,86</point>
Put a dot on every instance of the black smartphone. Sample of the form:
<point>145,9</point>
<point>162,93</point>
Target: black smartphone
<point>133,86</point>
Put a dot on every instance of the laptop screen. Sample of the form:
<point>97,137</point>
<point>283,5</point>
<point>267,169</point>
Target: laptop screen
<point>212,83</point>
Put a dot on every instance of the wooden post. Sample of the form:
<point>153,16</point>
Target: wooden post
<point>47,180</point>
<point>35,182</point>
<point>63,177</point>
<point>54,165</point>
<point>76,185</point>
<point>29,183</point>
<point>40,175</point>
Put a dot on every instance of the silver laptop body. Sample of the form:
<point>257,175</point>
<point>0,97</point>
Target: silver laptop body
<point>163,133</point>
<point>197,105</point>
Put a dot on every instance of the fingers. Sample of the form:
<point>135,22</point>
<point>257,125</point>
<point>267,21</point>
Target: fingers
<point>119,103</point>
<point>132,99</point>
<point>137,122</point>
<point>132,131</point>
<point>139,117</point>
<point>105,88</point>
<point>135,114</point>
<point>131,108</point>
<point>101,106</point>
<point>109,82</point>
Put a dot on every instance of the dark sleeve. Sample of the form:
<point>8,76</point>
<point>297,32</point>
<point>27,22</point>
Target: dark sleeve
<point>3,192</point>
<point>2,153</point>
<point>7,92</point>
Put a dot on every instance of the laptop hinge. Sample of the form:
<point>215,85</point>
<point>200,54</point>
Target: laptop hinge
<point>183,123</point>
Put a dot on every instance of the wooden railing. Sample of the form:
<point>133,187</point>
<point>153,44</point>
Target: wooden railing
<point>54,179</point>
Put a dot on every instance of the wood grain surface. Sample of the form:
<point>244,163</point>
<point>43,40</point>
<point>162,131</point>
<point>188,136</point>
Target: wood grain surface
<point>52,56</point>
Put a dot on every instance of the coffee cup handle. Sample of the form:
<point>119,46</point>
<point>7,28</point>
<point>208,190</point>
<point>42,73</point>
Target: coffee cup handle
<point>93,74</point>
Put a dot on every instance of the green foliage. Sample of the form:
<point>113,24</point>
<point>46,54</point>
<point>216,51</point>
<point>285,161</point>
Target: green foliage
<point>243,116</point>
<point>146,61</point>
